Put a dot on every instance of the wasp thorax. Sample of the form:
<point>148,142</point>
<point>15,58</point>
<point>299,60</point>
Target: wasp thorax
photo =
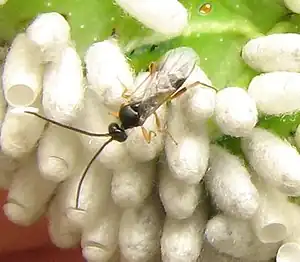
<point>117,133</point>
<point>129,115</point>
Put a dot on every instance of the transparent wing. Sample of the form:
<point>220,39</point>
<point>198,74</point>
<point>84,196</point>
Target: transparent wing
<point>151,104</point>
<point>176,64</point>
<point>179,60</point>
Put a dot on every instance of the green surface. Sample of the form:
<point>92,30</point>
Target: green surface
<point>218,36</point>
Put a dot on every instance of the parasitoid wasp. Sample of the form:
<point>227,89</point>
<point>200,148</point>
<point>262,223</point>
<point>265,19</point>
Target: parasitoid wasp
<point>166,82</point>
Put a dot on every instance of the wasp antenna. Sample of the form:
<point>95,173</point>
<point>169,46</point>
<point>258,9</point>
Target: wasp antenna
<point>87,169</point>
<point>66,126</point>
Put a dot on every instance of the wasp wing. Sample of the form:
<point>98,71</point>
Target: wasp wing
<point>151,104</point>
<point>174,67</point>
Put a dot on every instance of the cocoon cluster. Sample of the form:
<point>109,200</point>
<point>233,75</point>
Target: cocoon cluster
<point>143,201</point>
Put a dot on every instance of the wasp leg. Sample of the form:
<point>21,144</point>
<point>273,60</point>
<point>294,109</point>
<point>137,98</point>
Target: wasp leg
<point>163,129</point>
<point>157,121</point>
<point>178,93</point>
<point>115,114</point>
<point>152,68</point>
<point>148,134</point>
<point>125,90</point>
<point>200,83</point>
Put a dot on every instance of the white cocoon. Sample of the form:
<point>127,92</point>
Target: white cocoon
<point>62,231</point>
<point>271,222</point>
<point>93,192</point>
<point>63,90</point>
<point>108,72</point>
<point>235,112</point>
<point>100,238</point>
<point>210,254</point>
<point>276,93</point>
<point>178,198</point>
<point>8,166</point>
<point>288,252</point>
<point>58,153</point>
<point>95,118</point>
<point>236,238</point>
<point>188,160</point>
<point>28,194</point>
<point>290,248</point>
<point>229,184</point>
<point>51,33</point>
<point>131,185</point>
<point>22,75</point>
<point>182,239</point>
<point>168,17</point>
<point>275,160</point>
<point>140,231</point>
<point>275,52</point>
<point>199,102</point>
<point>293,5</point>
<point>20,133</point>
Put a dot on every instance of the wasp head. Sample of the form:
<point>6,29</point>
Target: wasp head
<point>117,133</point>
